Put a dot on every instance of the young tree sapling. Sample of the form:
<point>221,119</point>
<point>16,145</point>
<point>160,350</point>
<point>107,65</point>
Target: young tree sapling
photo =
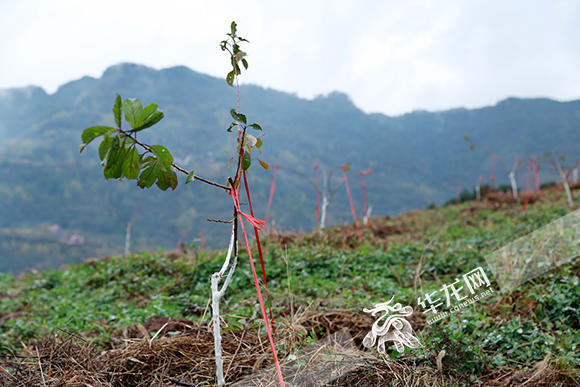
<point>124,156</point>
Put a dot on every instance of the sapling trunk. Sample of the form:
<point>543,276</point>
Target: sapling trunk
<point>368,214</point>
<point>512,177</point>
<point>362,181</point>
<point>128,239</point>
<point>323,211</point>
<point>562,176</point>
<point>216,295</point>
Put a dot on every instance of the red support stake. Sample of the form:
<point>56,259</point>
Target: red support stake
<point>362,182</point>
<point>257,235</point>
<point>276,168</point>
<point>528,185</point>
<point>256,223</point>
<point>346,167</point>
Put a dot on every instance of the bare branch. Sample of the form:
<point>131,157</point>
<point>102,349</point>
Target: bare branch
<point>180,169</point>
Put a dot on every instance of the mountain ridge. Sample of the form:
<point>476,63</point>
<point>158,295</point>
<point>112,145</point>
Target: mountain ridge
<point>122,68</point>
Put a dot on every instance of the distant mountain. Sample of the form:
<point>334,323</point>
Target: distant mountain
<point>49,193</point>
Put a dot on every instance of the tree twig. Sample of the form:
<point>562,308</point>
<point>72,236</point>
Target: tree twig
<point>180,383</point>
<point>237,350</point>
<point>180,169</point>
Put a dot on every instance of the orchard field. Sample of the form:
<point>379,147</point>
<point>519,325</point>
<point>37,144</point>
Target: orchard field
<point>145,319</point>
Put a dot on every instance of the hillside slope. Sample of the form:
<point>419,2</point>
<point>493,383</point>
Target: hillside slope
<point>121,319</point>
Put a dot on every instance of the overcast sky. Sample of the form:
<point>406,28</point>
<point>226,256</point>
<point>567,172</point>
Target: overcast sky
<point>389,56</point>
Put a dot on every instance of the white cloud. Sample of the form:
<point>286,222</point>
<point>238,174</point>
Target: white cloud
<point>389,56</point>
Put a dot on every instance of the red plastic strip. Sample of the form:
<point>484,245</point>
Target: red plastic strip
<point>259,252</point>
<point>351,204</point>
<point>234,195</point>
<point>528,188</point>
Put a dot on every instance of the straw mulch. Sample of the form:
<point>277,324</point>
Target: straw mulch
<point>180,353</point>
<point>165,352</point>
<point>187,359</point>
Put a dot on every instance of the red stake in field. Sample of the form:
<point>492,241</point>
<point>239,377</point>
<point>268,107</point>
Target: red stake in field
<point>276,168</point>
<point>362,182</point>
<point>345,168</point>
<point>528,184</point>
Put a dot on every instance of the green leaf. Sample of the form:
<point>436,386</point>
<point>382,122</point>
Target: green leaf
<point>147,111</point>
<point>258,143</point>
<point>245,63</point>
<point>147,177</point>
<point>163,155</point>
<point>255,126</point>
<point>166,179</point>
<point>105,146</point>
<point>147,161</point>
<point>264,164</point>
<point>230,78</point>
<point>131,165</point>
<point>238,116</point>
<point>114,162</point>
<point>190,177</point>
<point>246,161</point>
<point>117,110</point>
<point>229,129</point>
<point>132,108</point>
<point>233,27</point>
<point>89,134</point>
<point>150,121</point>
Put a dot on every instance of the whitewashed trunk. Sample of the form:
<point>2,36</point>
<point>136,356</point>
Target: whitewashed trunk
<point>568,192</point>
<point>368,215</point>
<point>565,182</point>
<point>323,212</point>
<point>128,239</point>
<point>512,177</point>
<point>216,296</point>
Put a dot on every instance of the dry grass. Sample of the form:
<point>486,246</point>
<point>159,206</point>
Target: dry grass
<point>181,353</point>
